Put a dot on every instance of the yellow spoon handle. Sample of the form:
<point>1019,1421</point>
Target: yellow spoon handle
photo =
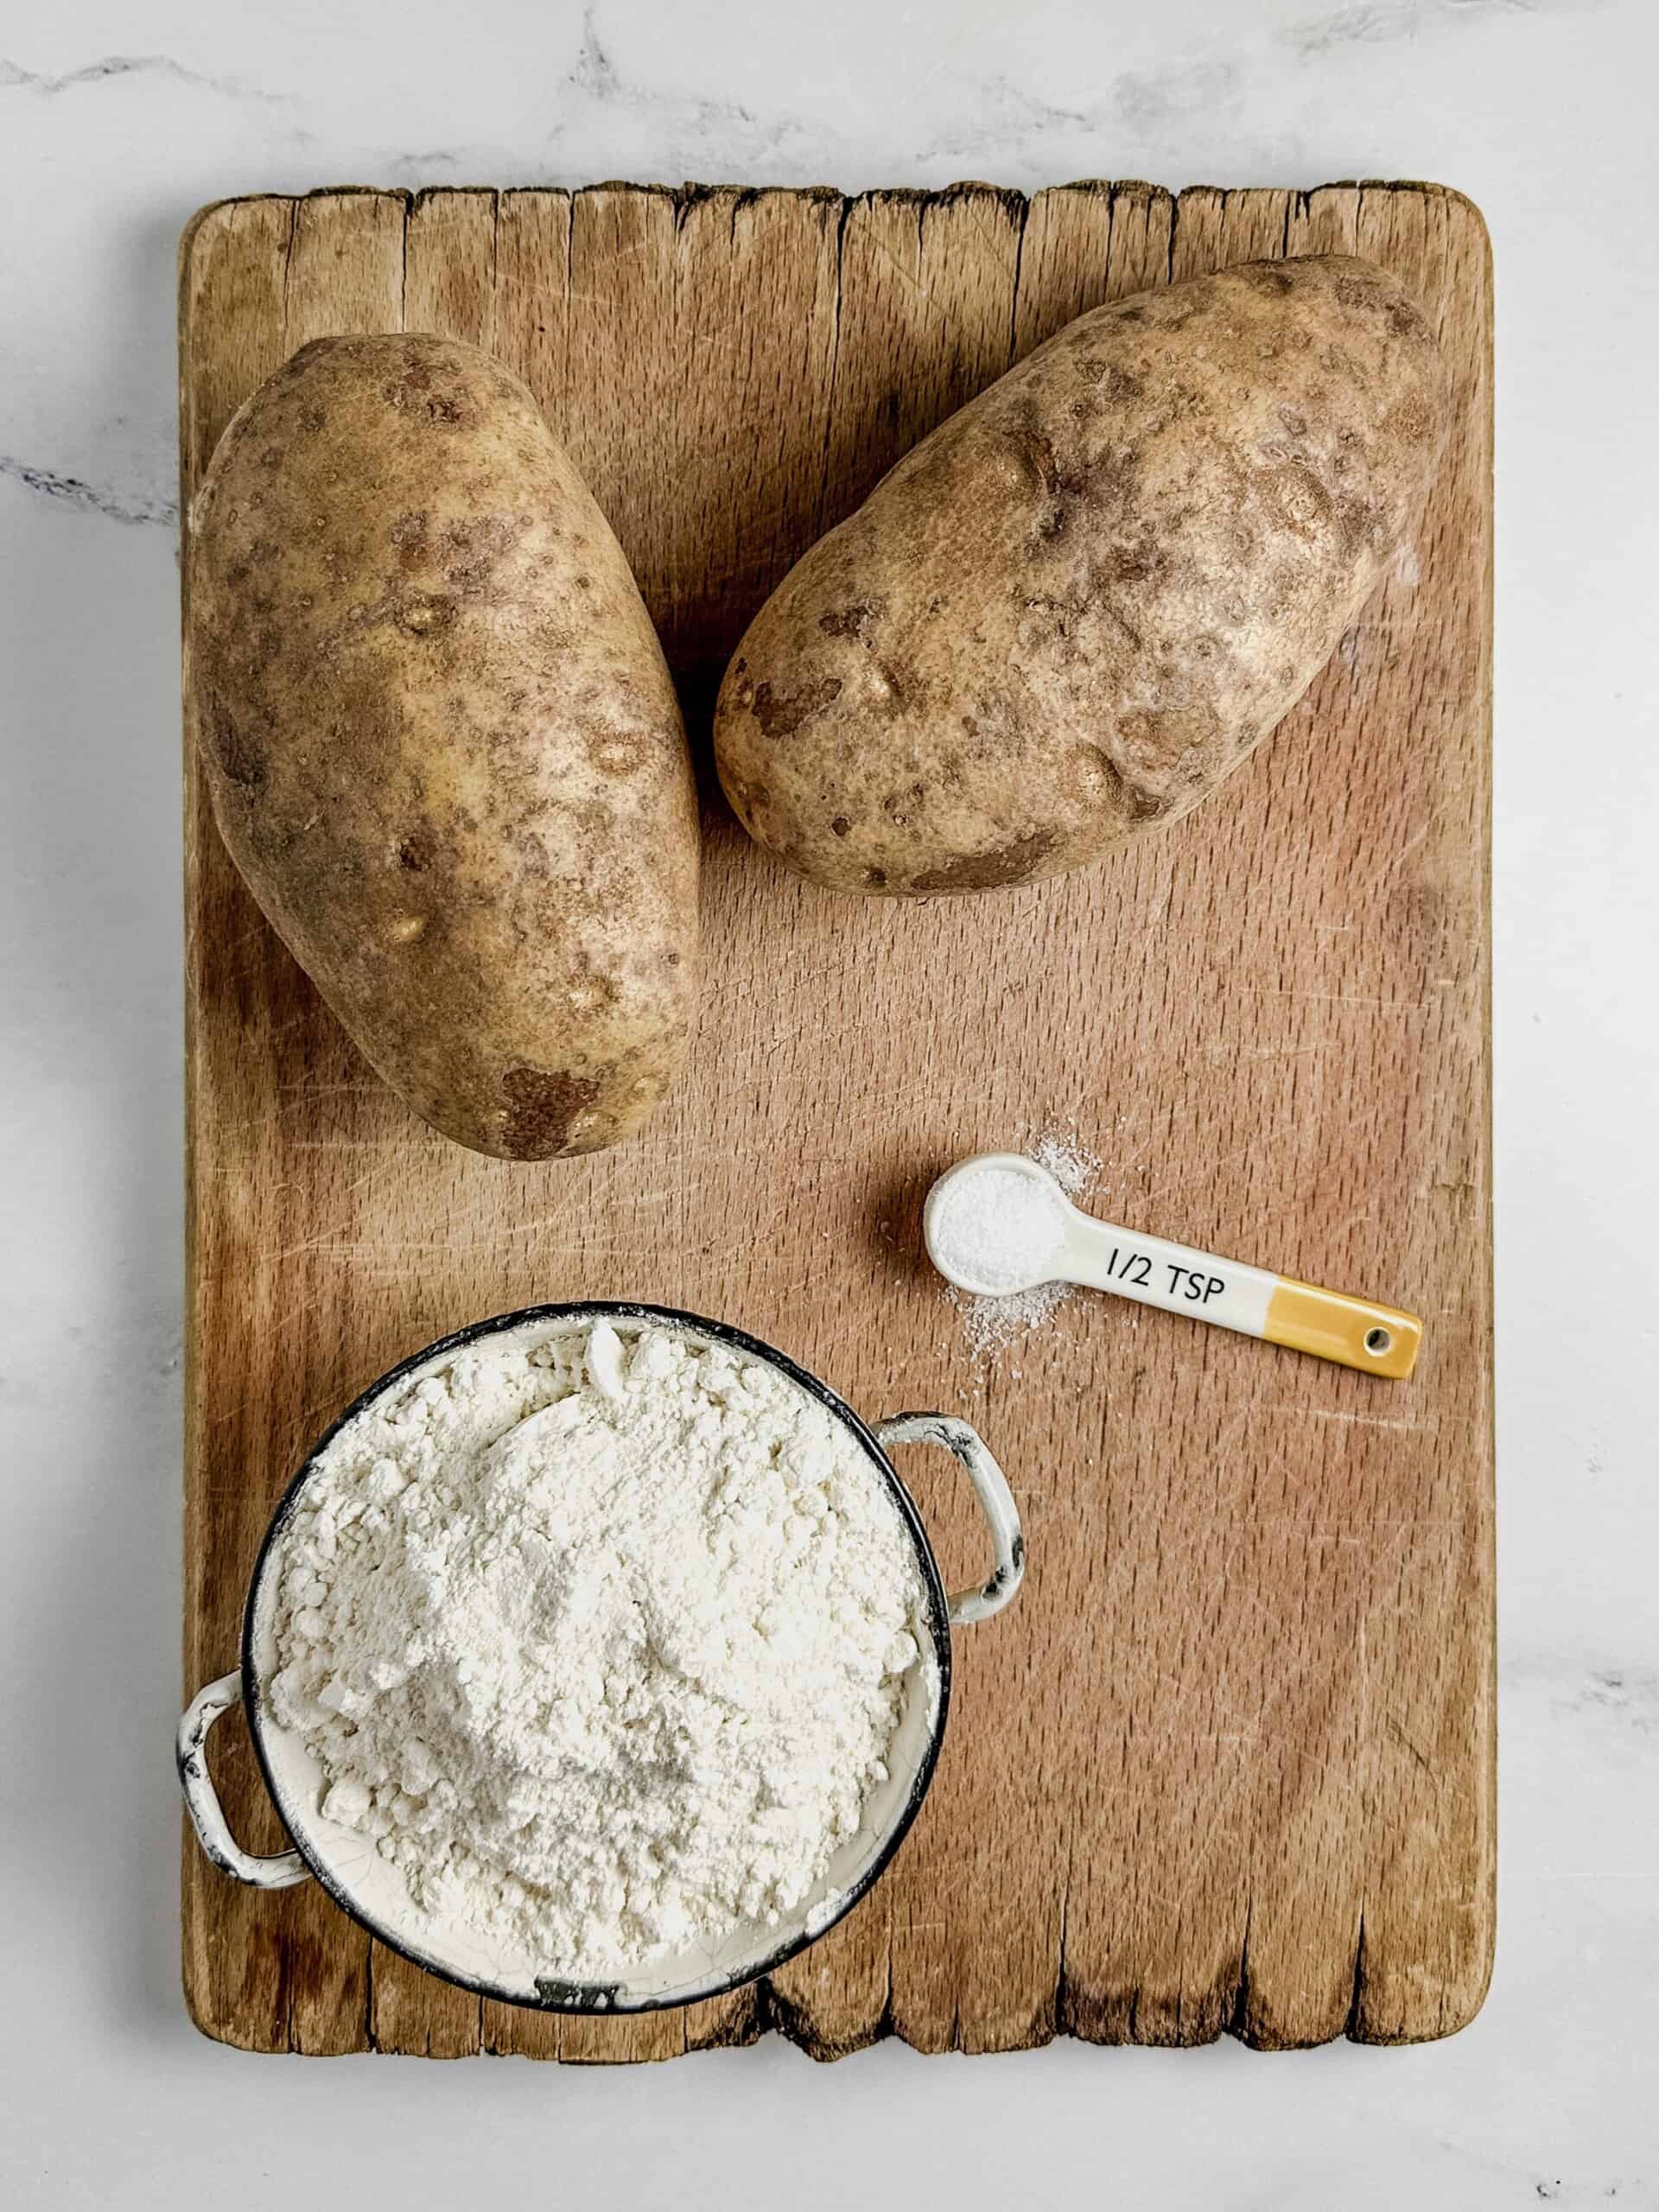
<point>1353,1330</point>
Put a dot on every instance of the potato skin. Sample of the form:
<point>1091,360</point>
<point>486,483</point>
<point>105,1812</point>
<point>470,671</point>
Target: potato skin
<point>1079,603</point>
<point>442,745</point>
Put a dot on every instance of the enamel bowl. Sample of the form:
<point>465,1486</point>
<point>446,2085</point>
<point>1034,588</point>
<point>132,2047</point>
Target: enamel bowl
<point>372,1889</point>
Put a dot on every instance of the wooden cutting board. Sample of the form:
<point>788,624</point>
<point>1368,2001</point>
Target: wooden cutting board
<point>1228,1764</point>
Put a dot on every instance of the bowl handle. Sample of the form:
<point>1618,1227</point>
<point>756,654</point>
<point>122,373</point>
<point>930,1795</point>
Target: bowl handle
<point>991,1484</point>
<point>201,1799</point>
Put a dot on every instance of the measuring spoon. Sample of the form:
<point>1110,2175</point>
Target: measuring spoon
<point>959,1227</point>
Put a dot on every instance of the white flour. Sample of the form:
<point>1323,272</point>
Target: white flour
<point>601,1641</point>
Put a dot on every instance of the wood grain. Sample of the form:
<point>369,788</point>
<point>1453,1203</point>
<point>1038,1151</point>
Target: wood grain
<point>1228,1764</point>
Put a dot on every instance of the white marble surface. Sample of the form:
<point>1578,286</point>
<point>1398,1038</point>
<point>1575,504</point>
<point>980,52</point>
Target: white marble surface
<point>115,122</point>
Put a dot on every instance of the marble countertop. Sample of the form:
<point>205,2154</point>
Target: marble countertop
<point>115,123</point>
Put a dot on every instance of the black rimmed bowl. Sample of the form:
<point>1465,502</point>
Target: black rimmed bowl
<point>371,1889</point>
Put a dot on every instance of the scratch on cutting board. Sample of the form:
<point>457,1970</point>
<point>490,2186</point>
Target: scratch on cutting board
<point>1350,1221</point>
<point>1344,1534</point>
<point>1408,1742</point>
<point>932,300</point>
<point>1333,998</point>
<point>301,1306</point>
<point>1225,1048</point>
<point>1359,1421</point>
<point>320,1241</point>
<point>1212,1168</point>
<point>356,1144</point>
<point>1165,891</point>
<point>1397,861</point>
<point>306,1088</point>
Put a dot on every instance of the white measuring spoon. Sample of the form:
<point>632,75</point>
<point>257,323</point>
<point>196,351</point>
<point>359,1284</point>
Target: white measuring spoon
<point>996,1238</point>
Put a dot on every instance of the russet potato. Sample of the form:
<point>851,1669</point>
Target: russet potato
<point>442,745</point>
<point>1081,602</point>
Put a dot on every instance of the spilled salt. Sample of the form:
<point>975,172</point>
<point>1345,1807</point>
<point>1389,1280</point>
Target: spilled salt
<point>992,1323</point>
<point>1072,1167</point>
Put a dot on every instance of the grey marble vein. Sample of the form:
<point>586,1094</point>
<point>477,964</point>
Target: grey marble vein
<point>90,498</point>
<point>697,132</point>
<point>1139,106</point>
<point>15,77</point>
<point>1005,112</point>
<point>596,74</point>
<point>1622,1691</point>
<point>1364,23</point>
<point>1628,1694</point>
